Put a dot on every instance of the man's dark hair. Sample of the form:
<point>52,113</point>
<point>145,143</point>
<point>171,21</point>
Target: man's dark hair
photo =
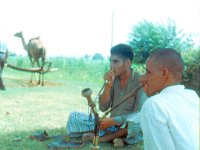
<point>123,50</point>
<point>169,58</point>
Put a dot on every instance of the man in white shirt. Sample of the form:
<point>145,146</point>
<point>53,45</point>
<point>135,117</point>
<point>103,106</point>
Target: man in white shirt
<point>170,116</point>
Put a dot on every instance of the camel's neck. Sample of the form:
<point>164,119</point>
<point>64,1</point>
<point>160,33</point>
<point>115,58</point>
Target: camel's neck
<point>23,42</point>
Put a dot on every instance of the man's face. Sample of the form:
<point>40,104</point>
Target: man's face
<point>118,65</point>
<point>153,79</point>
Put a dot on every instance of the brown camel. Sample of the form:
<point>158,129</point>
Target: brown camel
<point>35,51</point>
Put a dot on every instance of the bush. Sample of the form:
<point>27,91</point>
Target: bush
<point>146,36</point>
<point>191,74</point>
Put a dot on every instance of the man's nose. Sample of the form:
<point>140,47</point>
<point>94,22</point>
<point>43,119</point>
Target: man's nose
<point>112,65</point>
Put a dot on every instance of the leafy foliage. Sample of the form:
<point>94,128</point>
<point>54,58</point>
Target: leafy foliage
<point>191,74</point>
<point>191,56</point>
<point>147,36</point>
<point>97,56</point>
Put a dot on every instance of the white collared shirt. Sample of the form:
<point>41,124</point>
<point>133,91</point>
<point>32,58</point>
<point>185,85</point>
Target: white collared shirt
<point>170,120</point>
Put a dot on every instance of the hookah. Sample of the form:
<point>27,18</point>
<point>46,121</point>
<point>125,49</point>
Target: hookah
<point>87,92</point>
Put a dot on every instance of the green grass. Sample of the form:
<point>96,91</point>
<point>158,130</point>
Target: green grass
<point>26,108</point>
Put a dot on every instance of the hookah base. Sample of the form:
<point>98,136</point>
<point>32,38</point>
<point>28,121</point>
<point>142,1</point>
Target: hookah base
<point>94,147</point>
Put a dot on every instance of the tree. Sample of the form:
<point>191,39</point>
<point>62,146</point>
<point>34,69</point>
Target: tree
<point>147,36</point>
<point>191,78</point>
<point>97,56</point>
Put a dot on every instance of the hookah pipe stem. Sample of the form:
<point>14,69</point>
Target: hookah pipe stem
<point>124,99</point>
<point>91,103</point>
<point>100,90</point>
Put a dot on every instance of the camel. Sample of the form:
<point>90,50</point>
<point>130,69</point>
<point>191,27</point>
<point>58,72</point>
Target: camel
<point>35,50</point>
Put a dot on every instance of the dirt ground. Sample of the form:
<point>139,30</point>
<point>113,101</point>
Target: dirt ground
<point>14,82</point>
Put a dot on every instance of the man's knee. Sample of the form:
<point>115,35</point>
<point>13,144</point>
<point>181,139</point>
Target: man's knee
<point>73,115</point>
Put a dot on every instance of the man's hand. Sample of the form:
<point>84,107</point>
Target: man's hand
<point>104,97</point>
<point>106,122</point>
<point>109,77</point>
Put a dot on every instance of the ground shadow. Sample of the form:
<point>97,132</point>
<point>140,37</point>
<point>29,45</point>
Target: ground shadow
<point>20,140</point>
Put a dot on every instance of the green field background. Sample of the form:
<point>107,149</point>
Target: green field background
<point>27,108</point>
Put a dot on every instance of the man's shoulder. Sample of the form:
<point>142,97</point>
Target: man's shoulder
<point>153,101</point>
<point>153,108</point>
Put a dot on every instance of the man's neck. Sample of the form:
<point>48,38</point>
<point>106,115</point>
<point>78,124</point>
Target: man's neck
<point>124,78</point>
<point>170,82</point>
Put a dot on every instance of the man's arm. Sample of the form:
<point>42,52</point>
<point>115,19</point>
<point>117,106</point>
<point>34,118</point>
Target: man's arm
<point>115,121</point>
<point>105,97</point>
<point>106,122</point>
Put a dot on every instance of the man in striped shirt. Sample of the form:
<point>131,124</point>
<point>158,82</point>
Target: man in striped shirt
<point>121,80</point>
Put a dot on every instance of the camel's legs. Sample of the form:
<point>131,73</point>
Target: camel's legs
<point>38,78</point>
<point>42,79</point>
<point>32,64</point>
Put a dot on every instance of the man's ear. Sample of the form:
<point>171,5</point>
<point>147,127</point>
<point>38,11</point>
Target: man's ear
<point>128,63</point>
<point>165,72</point>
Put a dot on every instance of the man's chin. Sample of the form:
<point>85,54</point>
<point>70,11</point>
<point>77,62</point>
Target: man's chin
<point>148,93</point>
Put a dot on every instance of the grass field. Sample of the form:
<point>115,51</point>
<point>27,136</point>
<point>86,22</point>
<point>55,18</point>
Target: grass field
<point>26,108</point>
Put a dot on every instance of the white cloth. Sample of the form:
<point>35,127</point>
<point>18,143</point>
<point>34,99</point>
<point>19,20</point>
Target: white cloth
<point>170,120</point>
<point>133,121</point>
